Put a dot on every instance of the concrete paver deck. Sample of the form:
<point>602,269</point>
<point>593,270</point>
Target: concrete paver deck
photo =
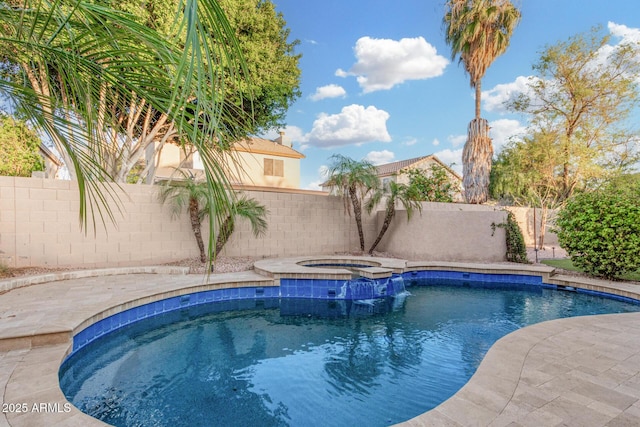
<point>581,371</point>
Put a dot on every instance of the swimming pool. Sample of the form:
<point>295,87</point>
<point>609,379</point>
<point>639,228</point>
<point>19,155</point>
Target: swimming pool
<point>281,361</point>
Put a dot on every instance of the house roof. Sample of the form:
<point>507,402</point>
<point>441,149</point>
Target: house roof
<point>264,146</point>
<point>49,155</point>
<point>395,167</point>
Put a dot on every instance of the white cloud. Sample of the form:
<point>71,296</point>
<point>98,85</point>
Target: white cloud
<point>494,99</point>
<point>355,124</point>
<point>435,142</point>
<point>294,133</point>
<point>628,35</point>
<point>502,130</point>
<point>451,158</point>
<point>411,141</point>
<point>380,157</point>
<point>457,140</point>
<point>328,91</point>
<point>323,173</point>
<point>383,63</point>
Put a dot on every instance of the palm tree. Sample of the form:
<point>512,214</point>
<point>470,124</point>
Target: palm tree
<point>478,31</point>
<point>353,180</point>
<point>76,67</point>
<point>193,196</point>
<point>396,193</point>
<point>246,208</point>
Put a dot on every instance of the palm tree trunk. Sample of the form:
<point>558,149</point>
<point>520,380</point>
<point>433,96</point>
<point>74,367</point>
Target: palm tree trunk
<point>195,226</point>
<point>478,86</point>
<point>476,162</point>
<point>391,212</point>
<point>357,213</point>
<point>226,229</point>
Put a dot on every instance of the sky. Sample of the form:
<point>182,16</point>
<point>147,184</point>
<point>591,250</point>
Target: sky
<point>378,82</point>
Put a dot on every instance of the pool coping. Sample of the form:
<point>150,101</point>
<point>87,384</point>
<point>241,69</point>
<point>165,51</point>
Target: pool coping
<point>29,363</point>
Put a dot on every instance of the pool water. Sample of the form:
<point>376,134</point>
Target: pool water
<point>298,362</point>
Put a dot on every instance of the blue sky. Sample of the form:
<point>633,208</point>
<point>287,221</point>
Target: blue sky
<point>378,83</point>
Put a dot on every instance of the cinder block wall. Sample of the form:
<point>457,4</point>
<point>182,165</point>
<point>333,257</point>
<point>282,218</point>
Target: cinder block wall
<point>300,223</point>
<point>530,225</point>
<point>447,232</point>
<point>39,226</point>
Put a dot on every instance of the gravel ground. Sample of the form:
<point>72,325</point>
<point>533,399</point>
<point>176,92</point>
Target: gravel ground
<point>232,264</point>
<point>546,253</point>
<point>222,264</point>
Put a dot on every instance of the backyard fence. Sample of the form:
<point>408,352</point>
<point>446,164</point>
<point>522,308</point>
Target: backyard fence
<point>39,226</point>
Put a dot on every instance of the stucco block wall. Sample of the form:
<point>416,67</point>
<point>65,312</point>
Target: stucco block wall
<point>299,224</point>
<point>446,232</point>
<point>530,225</point>
<point>39,226</point>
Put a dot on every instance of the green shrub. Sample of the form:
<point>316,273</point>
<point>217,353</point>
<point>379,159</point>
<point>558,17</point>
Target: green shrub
<point>516,249</point>
<point>19,148</point>
<point>437,185</point>
<point>600,231</point>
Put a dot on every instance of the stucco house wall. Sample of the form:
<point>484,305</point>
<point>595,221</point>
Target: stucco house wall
<point>246,163</point>
<point>250,171</point>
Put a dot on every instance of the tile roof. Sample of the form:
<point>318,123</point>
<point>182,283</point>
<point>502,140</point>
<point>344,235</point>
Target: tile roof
<point>46,152</point>
<point>391,168</point>
<point>395,167</point>
<point>265,146</point>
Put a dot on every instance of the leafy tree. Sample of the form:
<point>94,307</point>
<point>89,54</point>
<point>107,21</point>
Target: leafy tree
<point>258,92</point>
<point>353,181</point>
<point>396,193</point>
<point>579,102</point>
<point>19,154</point>
<point>270,77</point>
<point>600,230</point>
<point>478,31</point>
<point>434,186</point>
<point>248,209</point>
<point>525,173</point>
<point>624,182</point>
<point>78,68</point>
<point>273,73</point>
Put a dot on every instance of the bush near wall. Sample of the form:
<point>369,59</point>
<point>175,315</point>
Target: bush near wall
<point>601,231</point>
<point>514,239</point>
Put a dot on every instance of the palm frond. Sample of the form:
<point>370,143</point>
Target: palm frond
<point>69,56</point>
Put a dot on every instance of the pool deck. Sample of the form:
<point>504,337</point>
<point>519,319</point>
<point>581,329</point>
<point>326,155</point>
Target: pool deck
<point>582,371</point>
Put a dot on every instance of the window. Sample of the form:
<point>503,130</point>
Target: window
<point>273,167</point>
<point>385,185</point>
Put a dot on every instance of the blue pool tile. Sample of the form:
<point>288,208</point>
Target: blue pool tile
<point>337,290</point>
